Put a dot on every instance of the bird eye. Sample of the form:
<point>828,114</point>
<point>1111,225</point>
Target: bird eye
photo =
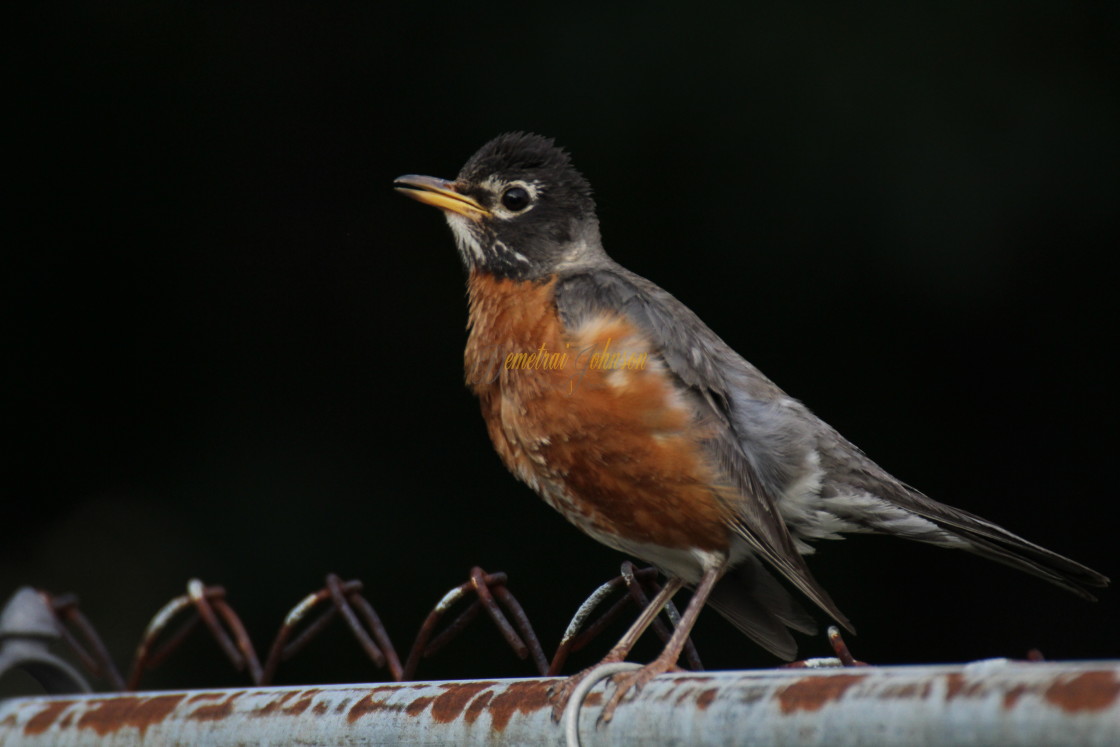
<point>515,199</point>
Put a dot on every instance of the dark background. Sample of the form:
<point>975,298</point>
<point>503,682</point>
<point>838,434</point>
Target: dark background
<point>232,352</point>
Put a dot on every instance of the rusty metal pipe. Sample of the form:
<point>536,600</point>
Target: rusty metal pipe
<point>989,702</point>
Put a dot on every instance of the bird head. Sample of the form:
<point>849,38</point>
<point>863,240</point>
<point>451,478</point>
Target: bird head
<point>518,208</point>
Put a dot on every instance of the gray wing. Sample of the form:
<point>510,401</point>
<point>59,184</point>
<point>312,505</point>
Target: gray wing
<point>769,437</point>
<point>763,437</point>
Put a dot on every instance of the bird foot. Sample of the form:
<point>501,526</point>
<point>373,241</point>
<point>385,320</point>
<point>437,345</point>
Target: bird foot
<point>569,695</point>
<point>631,683</point>
<point>560,694</point>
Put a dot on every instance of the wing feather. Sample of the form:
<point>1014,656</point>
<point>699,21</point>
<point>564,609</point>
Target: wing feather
<point>723,385</point>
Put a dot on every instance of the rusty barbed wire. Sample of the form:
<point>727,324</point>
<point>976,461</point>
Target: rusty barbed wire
<point>489,589</point>
<point>345,597</point>
<point>94,656</point>
<point>841,649</point>
<point>205,603</point>
<point>843,656</point>
<point>482,591</point>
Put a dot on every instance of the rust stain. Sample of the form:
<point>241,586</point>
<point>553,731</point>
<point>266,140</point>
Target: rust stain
<point>1091,691</point>
<point>215,711</point>
<point>113,714</point>
<point>303,700</point>
<point>814,693</point>
<point>1012,696</point>
<point>418,706</point>
<point>518,697</point>
<point>477,706</point>
<point>448,706</point>
<point>705,698</point>
<point>371,703</point>
<point>275,704</point>
<point>365,705</point>
<point>958,686</point>
<point>212,712</point>
<point>302,704</point>
<point>42,720</point>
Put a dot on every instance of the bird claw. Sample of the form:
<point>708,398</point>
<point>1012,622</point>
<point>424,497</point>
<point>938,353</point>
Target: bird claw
<point>567,696</point>
<point>560,693</point>
<point>629,684</point>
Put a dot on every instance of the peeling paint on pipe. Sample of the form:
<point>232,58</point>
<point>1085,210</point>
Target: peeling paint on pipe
<point>989,702</point>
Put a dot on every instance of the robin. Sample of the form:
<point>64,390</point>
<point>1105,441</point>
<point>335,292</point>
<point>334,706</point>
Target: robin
<point>619,407</point>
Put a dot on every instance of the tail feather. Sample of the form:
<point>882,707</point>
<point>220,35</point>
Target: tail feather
<point>995,552</point>
<point>759,606</point>
<point>995,543</point>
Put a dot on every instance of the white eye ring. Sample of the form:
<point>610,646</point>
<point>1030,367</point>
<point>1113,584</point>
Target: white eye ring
<point>512,199</point>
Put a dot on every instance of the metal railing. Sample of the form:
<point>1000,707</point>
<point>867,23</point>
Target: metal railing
<point>986,703</point>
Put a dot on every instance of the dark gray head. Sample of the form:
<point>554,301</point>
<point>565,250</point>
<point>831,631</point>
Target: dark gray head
<point>518,208</point>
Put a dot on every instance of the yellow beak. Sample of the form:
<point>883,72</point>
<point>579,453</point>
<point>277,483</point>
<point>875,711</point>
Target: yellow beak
<point>441,193</point>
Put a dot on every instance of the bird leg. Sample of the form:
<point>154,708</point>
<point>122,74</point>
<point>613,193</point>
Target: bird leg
<point>667,661</point>
<point>563,691</point>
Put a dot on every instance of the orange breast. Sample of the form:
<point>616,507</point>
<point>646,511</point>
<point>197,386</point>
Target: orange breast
<point>590,419</point>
